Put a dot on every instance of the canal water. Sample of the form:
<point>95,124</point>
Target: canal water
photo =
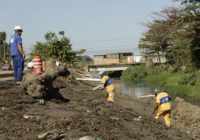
<point>134,89</point>
<point>147,87</point>
<point>129,87</point>
<point>141,88</point>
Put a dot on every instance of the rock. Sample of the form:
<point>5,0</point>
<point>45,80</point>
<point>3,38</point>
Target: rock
<point>43,136</point>
<point>31,117</point>
<point>66,121</point>
<point>88,111</point>
<point>87,138</point>
<point>27,116</point>
<point>42,101</point>
<point>53,135</point>
<point>114,118</point>
<point>188,132</point>
<point>136,119</point>
<point>180,100</point>
<point>3,108</point>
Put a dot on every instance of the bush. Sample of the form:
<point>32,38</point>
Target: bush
<point>189,79</point>
<point>135,73</point>
<point>156,70</point>
<point>178,91</point>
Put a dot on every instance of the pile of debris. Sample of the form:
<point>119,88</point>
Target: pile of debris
<point>186,116</point>
<point>41,86</point>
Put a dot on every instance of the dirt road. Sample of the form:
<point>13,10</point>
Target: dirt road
<point>83,113</point>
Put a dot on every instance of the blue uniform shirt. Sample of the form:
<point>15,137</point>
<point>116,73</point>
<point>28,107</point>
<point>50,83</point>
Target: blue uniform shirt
<point>15,41</point>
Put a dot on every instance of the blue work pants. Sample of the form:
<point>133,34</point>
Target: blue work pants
<point>18,63</point>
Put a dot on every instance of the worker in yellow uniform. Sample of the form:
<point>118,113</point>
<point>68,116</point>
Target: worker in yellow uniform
<point>106,82</point>
<point>163,106</point>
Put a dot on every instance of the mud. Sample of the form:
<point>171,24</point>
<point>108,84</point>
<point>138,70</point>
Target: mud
<point>84,112</point>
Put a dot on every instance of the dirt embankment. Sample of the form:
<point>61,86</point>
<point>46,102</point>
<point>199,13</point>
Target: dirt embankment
<point>78,111</point>
<point>185,116</point>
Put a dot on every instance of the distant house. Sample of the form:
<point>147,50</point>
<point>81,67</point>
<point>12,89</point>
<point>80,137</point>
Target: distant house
<point>113,58</point>
<point>155,58</point>
<point>127,58</point>
<point>138,59</point>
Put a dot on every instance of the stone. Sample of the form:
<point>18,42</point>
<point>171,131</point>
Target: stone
<point>87,138</point>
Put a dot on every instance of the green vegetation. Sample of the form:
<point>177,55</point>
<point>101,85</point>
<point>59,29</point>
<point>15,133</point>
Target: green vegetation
<point>175,33</point>
<point>4,49</point>
<point>135,73</point>
<point>84,61</point>
<point>57,48</point>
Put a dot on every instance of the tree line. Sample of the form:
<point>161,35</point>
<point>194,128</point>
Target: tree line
<point>175,33</point>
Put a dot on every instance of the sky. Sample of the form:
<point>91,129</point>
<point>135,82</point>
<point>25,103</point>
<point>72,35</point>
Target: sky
<point>99,26</point>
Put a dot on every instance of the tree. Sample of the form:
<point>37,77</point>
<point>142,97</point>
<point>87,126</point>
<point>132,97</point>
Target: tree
<point>173,33</point>
<point>161,31</point>
<point>192,20</point>
<point>62,33</point>
<point>4,50</point>
<point>42,49</point>
<point>50,36</point>
<point>57,48</point>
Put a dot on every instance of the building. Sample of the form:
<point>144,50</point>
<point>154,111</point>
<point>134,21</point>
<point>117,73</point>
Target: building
<point>114,58</point>
<point>155,58</point>
<point>138,59</point>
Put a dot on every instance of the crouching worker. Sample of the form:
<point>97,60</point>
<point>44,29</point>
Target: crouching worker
<point>163,106</point>
<point>106,82</point>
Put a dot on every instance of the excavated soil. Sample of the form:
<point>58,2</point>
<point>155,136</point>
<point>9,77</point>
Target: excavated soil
<point>79,111</point>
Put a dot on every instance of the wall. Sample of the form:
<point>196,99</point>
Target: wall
<point>137,59</point>
<point>105,61</point>
<point>130,59</point>
<point>155,59</point>
<point>112,56</point>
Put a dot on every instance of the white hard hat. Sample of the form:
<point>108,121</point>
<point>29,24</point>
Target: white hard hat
<point>101,72</point>
<point>18,28</point>
<point>156,91</point>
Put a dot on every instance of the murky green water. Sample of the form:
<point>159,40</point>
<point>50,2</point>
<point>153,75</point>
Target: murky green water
<point>134,89</point>
<point>140,88</point>
<point>147,87</point>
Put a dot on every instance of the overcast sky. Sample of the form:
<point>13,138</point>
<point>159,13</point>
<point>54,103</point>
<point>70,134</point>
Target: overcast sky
<point>99,26</point>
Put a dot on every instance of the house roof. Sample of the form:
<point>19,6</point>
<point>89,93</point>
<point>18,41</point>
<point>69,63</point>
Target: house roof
<point>123,53</point>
